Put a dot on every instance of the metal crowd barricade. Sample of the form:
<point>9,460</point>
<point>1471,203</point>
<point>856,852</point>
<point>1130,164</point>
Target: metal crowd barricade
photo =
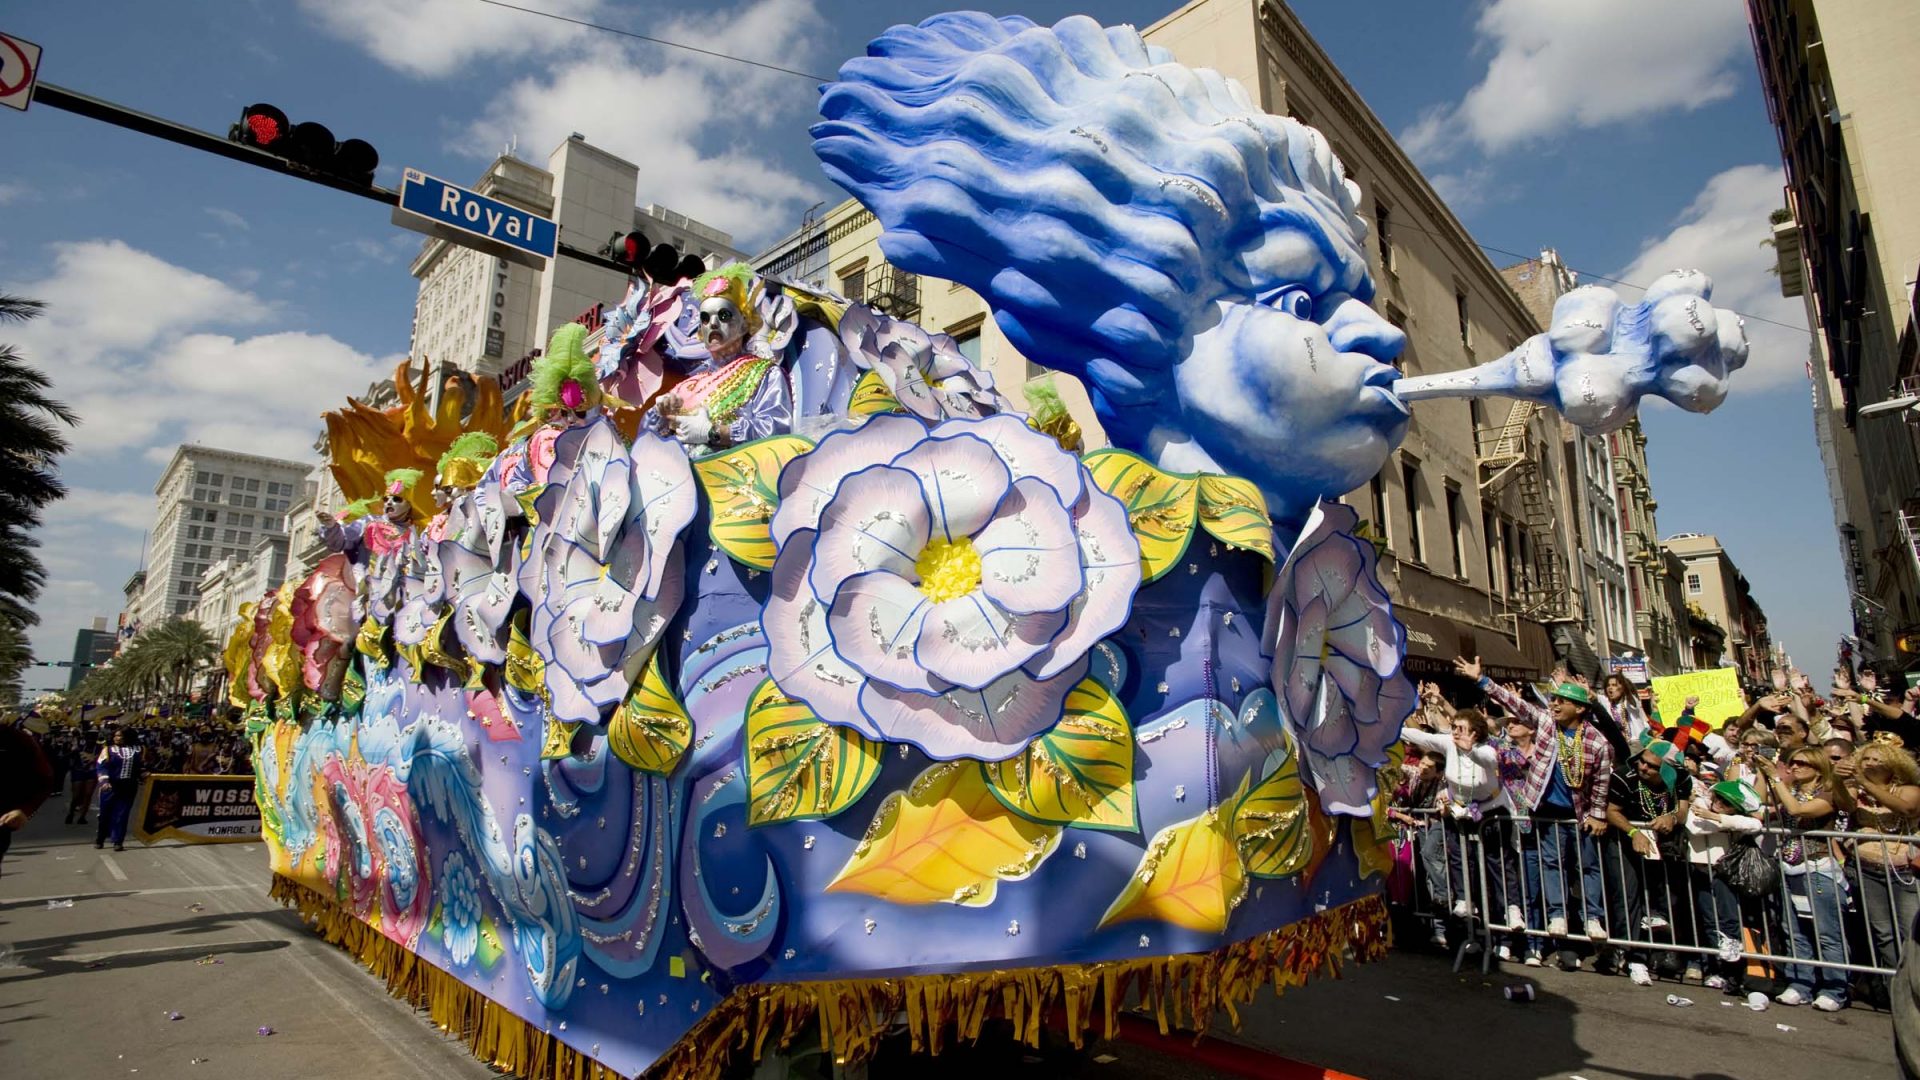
<point>1857,920</point>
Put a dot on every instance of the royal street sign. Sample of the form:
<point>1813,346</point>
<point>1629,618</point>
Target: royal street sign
<point>470,219</point>
<point>19,67</point>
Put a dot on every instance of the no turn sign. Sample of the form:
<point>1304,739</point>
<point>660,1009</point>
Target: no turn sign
<point>19,66</point>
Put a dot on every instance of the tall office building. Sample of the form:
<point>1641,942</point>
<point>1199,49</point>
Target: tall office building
<point>486,315</point>
<point>1840,82</point>
<point>210,504</point>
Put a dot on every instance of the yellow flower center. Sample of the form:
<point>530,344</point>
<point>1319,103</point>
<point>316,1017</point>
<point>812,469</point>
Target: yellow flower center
<point>948,569</point>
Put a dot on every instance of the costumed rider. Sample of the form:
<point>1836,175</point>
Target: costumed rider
<point>363,537</point>
<point>739,392</point>
<point>457,472</point>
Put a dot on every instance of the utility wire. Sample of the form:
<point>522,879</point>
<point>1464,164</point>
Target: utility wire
<point>654,40</point>
<point>823,79</point>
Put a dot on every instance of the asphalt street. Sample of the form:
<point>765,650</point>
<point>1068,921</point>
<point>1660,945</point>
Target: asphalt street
<point>99,951</point>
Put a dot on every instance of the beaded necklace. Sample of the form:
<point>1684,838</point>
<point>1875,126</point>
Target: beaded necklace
<point>1652,803</point>
<point>1573,757</point>
<point>724,390</point>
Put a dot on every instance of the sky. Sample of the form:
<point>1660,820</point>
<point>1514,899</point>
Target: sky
<point>192,299</point>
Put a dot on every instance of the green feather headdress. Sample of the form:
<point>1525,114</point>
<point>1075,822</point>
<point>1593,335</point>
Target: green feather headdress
<point>565,374</point>
<point>466,459</point>
<point>359,508</point>
<point>404,479</point>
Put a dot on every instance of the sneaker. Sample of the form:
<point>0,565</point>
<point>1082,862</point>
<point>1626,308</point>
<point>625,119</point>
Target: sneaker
<point>1828,1003</point>
<point>1639,974</point>
<point>1731,950</point>
<point>1652,922</point>
<point>1692,974</point>
<point>1462,909</point>
<point>1504,953</point>
<point>1791,996</point>
<point>1716,982</point>
<point>1532,960</point>
<point>1557,927</point>
<point>1515,918</point>
<point>1595,930</point>
<point>1439,938</point>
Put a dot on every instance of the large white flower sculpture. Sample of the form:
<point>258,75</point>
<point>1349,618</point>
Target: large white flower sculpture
<point>602,572</point>
<point>927,373</point>
<point>1337,653</point>
<point>943,588</point>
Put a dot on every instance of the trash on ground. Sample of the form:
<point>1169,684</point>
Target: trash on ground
<point>59,903</point>
<point>1678,1001</point>
<point>176,1016</point>
<point>1104,1059</point>
<point>1786,1027</point>
<point>264,1030</point>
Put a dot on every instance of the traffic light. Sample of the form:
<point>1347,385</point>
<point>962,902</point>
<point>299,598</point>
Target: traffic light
<point>691,266</point>
<point>629,250</point>
<point>309,144</point>
<point>662,262</point>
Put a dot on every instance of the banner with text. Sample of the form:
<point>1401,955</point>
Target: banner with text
<point>1718,690</point>
<point>196,809</point>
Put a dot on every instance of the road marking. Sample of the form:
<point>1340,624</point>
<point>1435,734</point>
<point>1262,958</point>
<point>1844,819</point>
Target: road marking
<point>119,893</point>
<point>113,867</point>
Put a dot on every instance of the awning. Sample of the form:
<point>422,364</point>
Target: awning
<point>1571,648</point>
<point>1434,640</point>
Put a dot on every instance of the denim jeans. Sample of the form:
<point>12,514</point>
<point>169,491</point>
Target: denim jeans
<point>1497,854</point>
<point>1815,932</point>
<point>1890,901</point>
<point>1567,853</point>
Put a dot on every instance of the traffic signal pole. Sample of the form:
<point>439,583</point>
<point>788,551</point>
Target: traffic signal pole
<point>59,97</point>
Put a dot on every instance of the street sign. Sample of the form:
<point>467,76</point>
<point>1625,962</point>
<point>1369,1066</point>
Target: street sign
<point>19,67</point>
<point>470,219</point>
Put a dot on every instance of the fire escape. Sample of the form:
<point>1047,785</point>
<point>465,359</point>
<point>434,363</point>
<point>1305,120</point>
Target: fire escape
<point>1543,591</point>
<point>892,291</point>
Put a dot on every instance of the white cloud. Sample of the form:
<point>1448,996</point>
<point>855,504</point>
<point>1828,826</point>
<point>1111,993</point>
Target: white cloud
<point>696,127</point>
<point>432,38</point>
<point>232,219</point>
<point>1721,234</point>
<point>1559,66</point>
<point>12,192</point>
<point>144,351</point>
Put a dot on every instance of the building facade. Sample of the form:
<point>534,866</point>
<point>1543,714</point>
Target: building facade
<point>1720,592</point>
<point>92,646</point>
<point>1840,82</point>
<point>210,504</point>
<point>483,314</point>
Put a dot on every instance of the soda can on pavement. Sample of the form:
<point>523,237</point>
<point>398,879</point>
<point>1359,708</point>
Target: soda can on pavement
<point>1520,992</point>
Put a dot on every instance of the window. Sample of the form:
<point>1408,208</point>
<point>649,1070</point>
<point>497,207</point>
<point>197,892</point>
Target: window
<point>216,479</point>
<point>1493,542</point>
<point>1693,584</point>
<point>853,283</point>
<point>1457,528</point>
<point>969,342</point>
<point>1378,490</point>
<point>1466,327</point>
<point>253,485</point>
<point>229,537</point>
<point>202,495</point>
<point>233,498</point>
<point>1511,580</point>
<point>1410,490</point>
<point>200,477</point>
<point>213,515</point>
<point>1383,233</point>
<point>250,500</point>
<point>181,607</point>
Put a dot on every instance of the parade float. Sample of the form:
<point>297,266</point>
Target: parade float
<point>767,681</point>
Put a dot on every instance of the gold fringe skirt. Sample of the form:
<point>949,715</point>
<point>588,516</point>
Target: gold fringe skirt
<point>853,1014</point>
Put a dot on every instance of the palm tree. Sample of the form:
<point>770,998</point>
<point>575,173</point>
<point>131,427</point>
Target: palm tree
<point>31,440</point>
<point>15,655</point>
<point>182,648</point>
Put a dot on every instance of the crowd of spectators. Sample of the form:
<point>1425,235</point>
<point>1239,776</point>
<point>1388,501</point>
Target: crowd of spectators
<point>1568,823</point>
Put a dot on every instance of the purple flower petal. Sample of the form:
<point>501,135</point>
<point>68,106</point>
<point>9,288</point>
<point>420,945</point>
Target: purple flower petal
<point>971,641</point>
<point>877,521</point>
<point>808,482</point>
<point>1029,557</point>
<point>990,724</point>
<point>964,481</point>
<point>800,654</point>
<point>875,620</point>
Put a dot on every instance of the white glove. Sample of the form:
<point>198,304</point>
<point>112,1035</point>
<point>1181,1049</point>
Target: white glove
<point>694,428</point>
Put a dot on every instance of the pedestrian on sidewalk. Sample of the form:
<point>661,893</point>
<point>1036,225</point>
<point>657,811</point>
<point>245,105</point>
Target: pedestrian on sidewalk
<point>25,777</point>
<point>119,769</point>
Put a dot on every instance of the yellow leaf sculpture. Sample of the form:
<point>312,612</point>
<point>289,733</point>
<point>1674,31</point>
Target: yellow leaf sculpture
<point>799,767</point>
<point>1372,849</point>
<point>1190,876</point>
<point>558,742</point>
<point>1080,773</point>
<point>371,641</point>
<point>944,839</point>
<point>743,488</point>
<point>650,730</point>
<point>238,654</point>
<point>283,658</point>
<point>1272,823</point>
<point>1160,506</point>
<point>1235,512</point>
<point>871,397</point>
<point>525,670</point>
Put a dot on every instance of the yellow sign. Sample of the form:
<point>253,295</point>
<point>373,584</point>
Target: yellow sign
<point>1718,690</point>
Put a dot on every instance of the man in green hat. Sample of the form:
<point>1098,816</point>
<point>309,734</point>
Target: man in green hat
<point>1650,809</point>
<point>1565,789</point>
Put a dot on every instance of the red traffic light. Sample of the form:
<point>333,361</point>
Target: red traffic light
<point>308,144</point>
<point>260,125</point>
